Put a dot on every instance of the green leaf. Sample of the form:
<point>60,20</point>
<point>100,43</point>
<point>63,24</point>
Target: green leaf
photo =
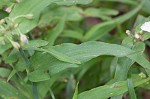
<point>70,87</point>
<point>7,91</point>
<point>12,57</point>
<point>35,91</point>
<point>53,35</point>
<point>33,44</point>
<point>20,65</point>
<point>73,2</point>
<point>97,31</point>
<point>72,34</point>
<point>139,20</point>
<point>49,14</point>
<point>75,96</point>
<point>13,72</point>
<point>102,13</point>
<point>83,52</point>
<point>4,72</point>
<point>3,14</point>
<point>4,3</point>
<point>146,6</point>
<point>106,91</point>
<point>132,2</point>
<point>60,56</point>
<point>124,63</point>
<point>5,47</point>
<point>38,76</point>
<point>23,8</point>
<point>131,89</point>
<point>123,66</point>
<point>52,94</point>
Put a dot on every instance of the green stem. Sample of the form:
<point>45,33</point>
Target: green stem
<point>25,57</point>
<point>52,94</point>
<point>34,90</point>
<point>34,87</point>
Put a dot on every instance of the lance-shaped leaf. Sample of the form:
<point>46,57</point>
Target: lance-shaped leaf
<point>106,91</point>
<point>37,6</point>
<point>83,52</point>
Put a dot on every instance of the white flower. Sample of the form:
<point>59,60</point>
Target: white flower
<point>146,27</point>
<point>23,39</point>
<point>128,32</point>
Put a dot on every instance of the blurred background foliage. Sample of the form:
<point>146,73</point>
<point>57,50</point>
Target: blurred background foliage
<point>60,22</point>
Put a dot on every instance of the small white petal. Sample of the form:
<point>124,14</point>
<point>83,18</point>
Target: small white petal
<point>23,38</point>
<point>146,27</point>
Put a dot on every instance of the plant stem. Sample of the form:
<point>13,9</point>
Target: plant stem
<point>25,57</point>
<point>52,94</point>
<point>34,90</point>
<point>34,87</point>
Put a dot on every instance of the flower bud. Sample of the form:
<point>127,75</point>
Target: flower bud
<point>29,16</point>
<point>8,9</point>
<point>137,36</point>
<point>141,32</point>
<point>128,32</point>
<point>16,25</point>
<point>142,75</point>
<point>23,39</point>
<point>2,21</point>
<point>15,45</point>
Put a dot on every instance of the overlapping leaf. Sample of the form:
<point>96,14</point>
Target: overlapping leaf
<point>99,30</point>
<point>83,52</point>
<point>106,91</point>
<point>37,6</point>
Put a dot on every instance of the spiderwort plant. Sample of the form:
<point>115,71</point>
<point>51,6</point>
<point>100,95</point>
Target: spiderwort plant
<point>11,33</point>
<point>46,48</point>
<point>144,28</point>
<point>9,30</point>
